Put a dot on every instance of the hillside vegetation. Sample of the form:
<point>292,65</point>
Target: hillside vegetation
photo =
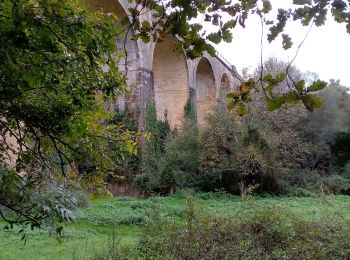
<point>157,228</point>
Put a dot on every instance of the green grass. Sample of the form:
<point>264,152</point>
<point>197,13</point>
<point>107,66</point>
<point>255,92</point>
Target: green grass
<point>128,216</point>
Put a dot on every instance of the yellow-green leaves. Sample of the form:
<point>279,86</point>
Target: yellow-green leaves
<point>210,49</point>
<point>277,102</point>
<point>301,93</point>
<point>271,82</point>
<point>316,86</point>
<point>214,37</point>
<point>239,100</point>
<point>300,86</point>
<point>146,25</point>
<point>274,100</point>
<point>241,109</point>
<point>312,101</point>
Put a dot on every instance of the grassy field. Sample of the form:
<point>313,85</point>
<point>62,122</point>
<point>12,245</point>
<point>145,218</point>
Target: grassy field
<point>128,216</point>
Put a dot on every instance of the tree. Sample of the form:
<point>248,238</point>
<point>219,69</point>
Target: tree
<point>57,64</point>
<point>56,58</point>
<point>306,140</point>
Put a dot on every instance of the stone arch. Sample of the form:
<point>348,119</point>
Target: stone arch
<point>127,51</point>
<point>125,44</point>
<point>119,8</point>
<point>171,90</point>
<point>225,88</point>
<point>205,89</point>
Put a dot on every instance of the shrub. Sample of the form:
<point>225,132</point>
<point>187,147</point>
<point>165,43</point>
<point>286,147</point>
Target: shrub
<point>341,148</point>
<point>170,158</point>
<point>298,182</point>
<point>220,141</point>
<point>275,152</point>
<point>150,179</point>
<point>179,164</point>
<point>259,232</point>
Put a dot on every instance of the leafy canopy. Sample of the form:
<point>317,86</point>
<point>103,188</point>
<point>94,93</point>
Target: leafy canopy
<point>57,64</point>
<point>173,17</point>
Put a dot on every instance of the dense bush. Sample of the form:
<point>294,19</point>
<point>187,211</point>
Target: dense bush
<point>256,233</point>
<point>218,226</point>
<point>286,151</point>
<point>219,140</point>
<point>341,148</point>
<point>179,163</point>
<point>266,150</point>
<point>150,178</point>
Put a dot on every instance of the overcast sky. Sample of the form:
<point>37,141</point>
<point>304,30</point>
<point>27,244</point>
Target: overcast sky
<point>326,50</point>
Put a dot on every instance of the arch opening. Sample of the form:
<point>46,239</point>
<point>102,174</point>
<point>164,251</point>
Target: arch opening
<point>126,46</point>
<point>205,90</point>
<point>225,88</point>
<point>126,50</point>
<point>170,82</point>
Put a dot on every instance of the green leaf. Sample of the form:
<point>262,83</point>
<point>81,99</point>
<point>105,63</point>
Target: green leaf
<point>227,36</point>
<point>280,77</point>
<point>302,2</point>
<point>276,29</point>
<point>230,24</point>
<point>312,101</point>
<point>214,37</point>
<point>232,95</point>
<point>286,42</point>
<point>274,81</point>
<point>321,18</point>
<point>159,9</point>
<point>268,78</point>
<point>145,38</point>
<point>300,86</point>
<point>275,103</point>
<point>338,14</point>
<point>210,49</point>
<point>316,86</point>
<point>241,109</point>
<point>146,25</point>
<point>232,104</point>
<point>267,7</point>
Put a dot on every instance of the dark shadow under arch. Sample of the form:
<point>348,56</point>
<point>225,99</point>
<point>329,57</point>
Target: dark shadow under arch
<point>126,52</point>
<point>205,90</point>
<point>225,88</point>
<point>126,47</point>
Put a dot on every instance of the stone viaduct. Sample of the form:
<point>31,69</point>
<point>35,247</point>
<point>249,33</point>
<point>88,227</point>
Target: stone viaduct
<point>158,73</point>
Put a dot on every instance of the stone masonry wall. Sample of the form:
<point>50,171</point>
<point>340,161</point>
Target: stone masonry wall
<point>172,79</point>
<point>170,82</point>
